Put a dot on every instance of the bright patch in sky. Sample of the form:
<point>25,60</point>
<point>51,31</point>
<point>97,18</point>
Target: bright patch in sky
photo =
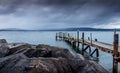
<point>114,24</point>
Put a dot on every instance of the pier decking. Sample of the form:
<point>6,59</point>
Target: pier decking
<point>113,49</point>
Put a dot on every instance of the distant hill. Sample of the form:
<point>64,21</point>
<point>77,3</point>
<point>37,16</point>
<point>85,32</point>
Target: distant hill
<point>81,29</point>
<point>63,29</point>
<point>90,29</point>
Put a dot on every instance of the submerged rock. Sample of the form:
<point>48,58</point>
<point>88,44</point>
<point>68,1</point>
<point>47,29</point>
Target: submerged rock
<point>26,58</point>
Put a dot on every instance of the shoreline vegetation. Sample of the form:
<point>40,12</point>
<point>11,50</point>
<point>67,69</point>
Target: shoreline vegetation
<point>30,58</point>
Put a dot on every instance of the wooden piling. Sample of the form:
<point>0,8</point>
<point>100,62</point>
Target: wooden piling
<point>96,40</point>
<point>56,36</point>
<point>115,53</point>
<point>88,38</point>
<point>90,50</point>
<point>97,51</point>
<point>115,31</point>
<point>91,37</point>
<point>77,38</point>
<point>68,34</point>
<point>83,43</point>
<point>63,35</point>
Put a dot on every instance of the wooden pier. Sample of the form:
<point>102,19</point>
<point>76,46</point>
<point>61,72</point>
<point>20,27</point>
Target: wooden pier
<point>86,44</point>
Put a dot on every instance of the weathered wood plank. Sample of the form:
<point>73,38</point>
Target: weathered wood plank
<point>100,45</point>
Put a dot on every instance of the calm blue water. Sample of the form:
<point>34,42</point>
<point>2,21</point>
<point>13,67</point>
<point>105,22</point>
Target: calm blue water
<point>40,37</point>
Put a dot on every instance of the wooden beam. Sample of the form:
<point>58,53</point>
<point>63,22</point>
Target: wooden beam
<point>93,52</point>
<point>86,48</point>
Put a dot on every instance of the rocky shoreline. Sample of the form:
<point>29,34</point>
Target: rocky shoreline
<point>29,58</point>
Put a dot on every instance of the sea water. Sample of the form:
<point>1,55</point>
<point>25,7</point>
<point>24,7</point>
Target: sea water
<point>48,37</point>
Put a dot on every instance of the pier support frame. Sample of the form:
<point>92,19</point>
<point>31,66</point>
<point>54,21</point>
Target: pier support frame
<point>90,51</point>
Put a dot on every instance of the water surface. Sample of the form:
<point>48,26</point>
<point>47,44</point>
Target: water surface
<point>40,37</point>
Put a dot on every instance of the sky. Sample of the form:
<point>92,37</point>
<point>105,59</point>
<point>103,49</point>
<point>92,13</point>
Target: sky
<point>54,14</point>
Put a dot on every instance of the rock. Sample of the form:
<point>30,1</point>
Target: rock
<point>79,56</point>
<point>37,53</point>
<point>7,64</point>
<point>84,66</point>
<point>18,48</point>
<point>97,67</point>
<point>56,51</point>
<point>19,64</point>
<point>2,41</point>
<point>77,65</point>
<point>27,58</point>
<point>4,50</point>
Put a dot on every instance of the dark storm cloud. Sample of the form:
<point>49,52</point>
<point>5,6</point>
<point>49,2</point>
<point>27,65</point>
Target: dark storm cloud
<point>45,2</point>
<point>12,5</point>
<point>67,12</point>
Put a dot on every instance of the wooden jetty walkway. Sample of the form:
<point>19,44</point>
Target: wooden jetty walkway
<point>86,44</point>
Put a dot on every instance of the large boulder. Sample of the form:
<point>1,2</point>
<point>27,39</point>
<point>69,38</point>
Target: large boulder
<point>18,48</point>
<point>27,58</point>
<point>56,51</point>
<point>19,64</point>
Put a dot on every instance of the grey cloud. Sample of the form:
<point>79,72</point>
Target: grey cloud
<point>60,2</point>
<point>67,12</point>
<point>67,6</point>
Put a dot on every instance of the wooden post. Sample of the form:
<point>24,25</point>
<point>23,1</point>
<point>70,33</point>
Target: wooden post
<point>115,31</point>
<point>74,37</point>
<point>83,43</point>
<point>83,37</point>
<point>96,40</point>
<point>78,39</point>
<point>91,37</point>
<point>89,50</point>
<point>97,51</point>
<point>74,44</point>
<point>77,35</point>
<point>60,35</point>
<point>63,35</point>
<point>88,38</point>
<point>115,53</point>
<point>68,34</point>
<point>56,36</point>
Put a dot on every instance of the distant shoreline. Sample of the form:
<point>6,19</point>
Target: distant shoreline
<point>65,29</point>
<point>62,30</point>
